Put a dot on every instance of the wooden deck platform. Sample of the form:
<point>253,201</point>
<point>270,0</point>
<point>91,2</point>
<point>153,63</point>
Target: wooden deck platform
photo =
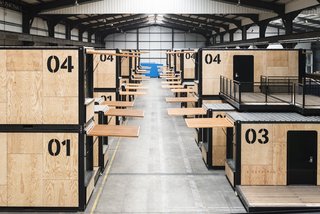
<point>280,198</point>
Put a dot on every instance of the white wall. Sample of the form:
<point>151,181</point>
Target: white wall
<point>12,21</point>
<point>39,27</point>
<point>154,39</point>
<point>60,31</point>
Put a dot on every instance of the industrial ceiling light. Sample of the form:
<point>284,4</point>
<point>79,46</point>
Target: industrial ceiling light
<point>76,3</point>
<point>239,3</point>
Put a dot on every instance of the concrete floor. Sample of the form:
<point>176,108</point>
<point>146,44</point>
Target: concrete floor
<point>162,171</point>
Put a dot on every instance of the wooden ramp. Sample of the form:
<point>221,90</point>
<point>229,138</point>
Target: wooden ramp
<point>280,198</point>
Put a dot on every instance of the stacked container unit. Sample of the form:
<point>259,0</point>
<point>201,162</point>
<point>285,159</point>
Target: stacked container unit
<point>188,67</point>
<point>106,70</point>
<point>46,157</point>
<point>244,66</point>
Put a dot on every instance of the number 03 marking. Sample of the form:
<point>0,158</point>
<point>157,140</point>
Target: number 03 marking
<point>251,136</point>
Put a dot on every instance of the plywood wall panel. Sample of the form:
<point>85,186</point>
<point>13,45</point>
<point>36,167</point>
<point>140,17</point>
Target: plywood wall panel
<point>104,71</point>
<point>26,60</point>
<point>277,58</point>
<point>268,63</point>
<point>61,166</point>
<point>3,61</point>
<point>3,87</point>
<point>125,66</point>
<point>25,143</point>
<point>266,164</point>
<point>61,83</point>
<point>61,110</point>
<point>61,193</point>
<point>3,113</point>
<point>3,159</point>
<point>24,92</point>
<point>24,180</point>
<point>3,196</point>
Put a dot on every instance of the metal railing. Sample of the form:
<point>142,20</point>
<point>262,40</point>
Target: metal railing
<point>268,91</point>
<point>307,94</point>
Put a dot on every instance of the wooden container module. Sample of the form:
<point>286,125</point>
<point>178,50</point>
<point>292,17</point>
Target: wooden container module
<point>42,86</point>
<point>45,151</point>
<point>188,67</point>
<point>213,63</point>
<point>177,61</point>
<point>106,71</point>
<point>171,60</point>
<point>274,149</point>
<point>213,141</point>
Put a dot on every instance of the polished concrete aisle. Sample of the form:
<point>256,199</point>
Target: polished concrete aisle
<point>162,171</point>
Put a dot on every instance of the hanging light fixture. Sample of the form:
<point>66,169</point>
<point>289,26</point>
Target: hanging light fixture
<point>76,3</point>
<point>239,3</point>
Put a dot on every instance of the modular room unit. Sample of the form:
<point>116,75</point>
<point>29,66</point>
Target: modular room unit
<point>44,111</point>
<point>106,72</point>
<point>235,67</point>
<point>213,141</point>
<point>275,149</point>
<point>188,66</point>
<point>46,129</point>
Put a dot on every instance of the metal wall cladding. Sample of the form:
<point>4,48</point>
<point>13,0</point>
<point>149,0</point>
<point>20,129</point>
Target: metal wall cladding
<point>163,6</point>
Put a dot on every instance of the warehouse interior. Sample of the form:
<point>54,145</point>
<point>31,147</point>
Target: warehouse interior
<point>172,106</point>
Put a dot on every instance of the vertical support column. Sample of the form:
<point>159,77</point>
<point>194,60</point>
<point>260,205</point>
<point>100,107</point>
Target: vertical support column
<point>97,38</point>
<point>214,39</point>
<point>208,42</point>
<point>315,47</point>
<point>263,29</point>
<point>68,31</point>
<point>89,36</point>
<point>27,20</point>
<point>231,35</point>
<point>138,40</point>
<point>172,44</point>
<point>244,33</point>
<point>222,37</point>
<point>288,21</point>
<point>80,34</point>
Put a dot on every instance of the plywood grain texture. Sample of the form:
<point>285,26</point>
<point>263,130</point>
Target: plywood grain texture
<point>24,180</point>
<point>125,66</point>
<point>61,166</point>
<point>3,112</point>
<point>266,164</point>
<point>218,155</point>
<point>189,66</point>
<point>114,131</point>
<point>104,71</point>
<point>61,83</point>
<point>24,60</point>
<point>229,173</point>
<point>25,98</point>
<point>3,196</point>
<point>60,110</point>
<point>60,193</point>
<point>112,121</point>
<point>3,84</point>
<point>89,111</point>
<point>25,143</point>
<point>266,62</point>
<point>95,152</point>
<point>3,159</point>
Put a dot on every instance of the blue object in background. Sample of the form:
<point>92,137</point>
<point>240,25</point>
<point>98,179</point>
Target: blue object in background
<point>153,72</point>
